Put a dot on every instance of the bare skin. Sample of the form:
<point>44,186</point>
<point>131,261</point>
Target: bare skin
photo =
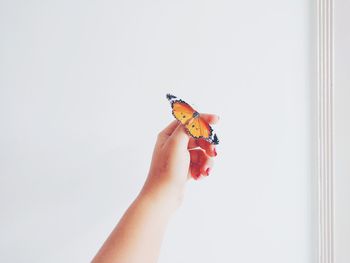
<point>176,158</point>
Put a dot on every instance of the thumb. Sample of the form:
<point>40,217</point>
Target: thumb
<point>180,136</point>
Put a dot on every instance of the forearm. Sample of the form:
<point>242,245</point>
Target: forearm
<point>138,235</point>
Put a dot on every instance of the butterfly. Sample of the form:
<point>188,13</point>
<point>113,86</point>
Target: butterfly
<point>195,125</point>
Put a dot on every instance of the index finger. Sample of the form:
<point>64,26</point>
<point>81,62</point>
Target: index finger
<point>210,118</point>
<point>170,128</point>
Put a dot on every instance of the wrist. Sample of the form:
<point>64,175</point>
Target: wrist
<point>165,196</point>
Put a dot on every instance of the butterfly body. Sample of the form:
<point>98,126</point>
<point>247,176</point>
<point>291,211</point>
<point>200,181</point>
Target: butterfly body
<point>196,114</point>
<point>195,125</point>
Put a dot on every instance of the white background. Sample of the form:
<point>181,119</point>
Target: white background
<point>82,98</point>
<point>342,131</point>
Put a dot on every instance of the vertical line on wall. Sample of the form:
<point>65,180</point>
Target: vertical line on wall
<point>325,130</point>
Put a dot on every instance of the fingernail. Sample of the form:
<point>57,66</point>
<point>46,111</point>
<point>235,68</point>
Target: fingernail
<point>215,153</point>
<point>208,171</point>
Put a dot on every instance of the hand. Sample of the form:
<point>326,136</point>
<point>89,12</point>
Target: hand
<point>176,158</point>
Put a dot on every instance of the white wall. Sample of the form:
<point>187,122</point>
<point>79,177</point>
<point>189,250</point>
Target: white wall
<point>342,131</point>
<point>82,98</point>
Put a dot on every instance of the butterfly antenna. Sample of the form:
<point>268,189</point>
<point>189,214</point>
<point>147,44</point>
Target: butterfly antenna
<point>170,97</point>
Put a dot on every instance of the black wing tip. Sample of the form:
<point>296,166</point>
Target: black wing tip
<point>170,96</point>
<point>215,139</point>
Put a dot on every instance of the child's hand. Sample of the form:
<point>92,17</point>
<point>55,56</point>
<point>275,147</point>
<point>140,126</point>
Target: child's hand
<point>176,158</point>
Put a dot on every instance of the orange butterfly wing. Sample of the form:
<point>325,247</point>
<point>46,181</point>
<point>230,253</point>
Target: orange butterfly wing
<point>199,128</point>
<point>182,111</point>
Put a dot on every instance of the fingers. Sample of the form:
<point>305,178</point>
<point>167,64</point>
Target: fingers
<point>201,164</point>
<point>210,118</point>
<point>180,137</point>
<point>195,171</point>
<point>164,135</point>
<point>209,148</point>
<point>170,128</point>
